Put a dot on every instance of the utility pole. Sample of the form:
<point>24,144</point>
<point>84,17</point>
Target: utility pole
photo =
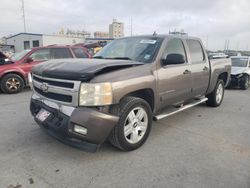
<point>24,21</point>
<point>131,26</point>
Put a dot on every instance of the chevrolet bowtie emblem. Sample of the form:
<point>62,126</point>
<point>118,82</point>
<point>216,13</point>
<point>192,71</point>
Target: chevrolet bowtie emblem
<point>44,87</point>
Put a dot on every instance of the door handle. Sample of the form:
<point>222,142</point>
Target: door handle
<point>205,68</point>
<point>187,71</point>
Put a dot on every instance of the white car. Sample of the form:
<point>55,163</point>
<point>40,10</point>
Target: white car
<point>240,72</point>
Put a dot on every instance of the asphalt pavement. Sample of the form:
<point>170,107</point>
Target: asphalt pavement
<point>202,147</point>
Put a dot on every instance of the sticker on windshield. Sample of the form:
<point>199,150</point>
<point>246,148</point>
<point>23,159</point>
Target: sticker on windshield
<point>147,56</point>
<point>146,41</point>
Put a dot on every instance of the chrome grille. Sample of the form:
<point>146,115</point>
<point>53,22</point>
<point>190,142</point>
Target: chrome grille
<point>58,90</point>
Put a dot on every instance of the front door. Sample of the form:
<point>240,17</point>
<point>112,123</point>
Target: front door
<point>35,58</point>
<point>174,81</point>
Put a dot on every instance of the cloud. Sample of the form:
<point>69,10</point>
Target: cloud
<point>215,20</point>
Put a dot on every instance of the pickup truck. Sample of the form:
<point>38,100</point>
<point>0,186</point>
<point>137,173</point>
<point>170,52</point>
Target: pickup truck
<point>115,95</point>
<point>14,71</point>
<point>240,72</point>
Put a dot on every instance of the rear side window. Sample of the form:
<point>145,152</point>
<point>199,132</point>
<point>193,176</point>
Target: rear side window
<point>175,46</point>
<point>79,53</point>
<point>196,51</point>
<point>60,53</point>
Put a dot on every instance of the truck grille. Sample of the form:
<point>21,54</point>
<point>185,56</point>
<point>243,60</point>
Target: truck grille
<point>57,90</point>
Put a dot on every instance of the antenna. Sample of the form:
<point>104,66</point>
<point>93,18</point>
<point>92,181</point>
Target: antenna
<point>24,21</point>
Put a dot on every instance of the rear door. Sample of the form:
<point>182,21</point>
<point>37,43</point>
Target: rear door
<point>174,81</point>
<point>199,66</point>
<point>61,53</point>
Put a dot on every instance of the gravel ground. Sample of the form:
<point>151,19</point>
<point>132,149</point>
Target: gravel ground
<point>201,147</point>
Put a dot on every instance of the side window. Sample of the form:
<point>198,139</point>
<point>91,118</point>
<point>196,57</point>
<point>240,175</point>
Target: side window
<point>196,51</point>
<point>79,53</point>
<point>60,53</point>
<point>35,43</point>
<point>175,46</point>
<point>41,55</point>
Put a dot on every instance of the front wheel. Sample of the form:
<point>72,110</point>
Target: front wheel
<point>216,97</point>
<point>244,84</point>
<point>134,124</point>
<point>12,83</point>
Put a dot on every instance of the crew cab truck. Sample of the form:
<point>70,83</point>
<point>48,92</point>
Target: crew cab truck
<point>240,72</point>
<point>14,71</point>
<point>115,95</point>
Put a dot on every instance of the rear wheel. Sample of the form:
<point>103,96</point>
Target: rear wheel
<point>12,83</point>
<point>134,124</point>
<point>244,84</point>
<point>216,97</point>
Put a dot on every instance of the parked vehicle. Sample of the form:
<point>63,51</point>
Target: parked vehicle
<point>14,71</point>
<point>216,55</point>
<point>118,93</point>
<point>240,72</point>
<point>3,58</point>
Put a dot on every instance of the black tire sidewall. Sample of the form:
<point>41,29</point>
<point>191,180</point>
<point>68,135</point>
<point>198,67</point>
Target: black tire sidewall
<point>4,80</point>
<point>137,103</point>
<point>243,82</point>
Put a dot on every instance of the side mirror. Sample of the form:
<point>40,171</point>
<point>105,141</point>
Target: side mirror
<point>173,59</point>
<point>28,60</point>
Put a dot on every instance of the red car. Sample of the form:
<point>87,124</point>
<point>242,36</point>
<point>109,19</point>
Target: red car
<point>14,71</point>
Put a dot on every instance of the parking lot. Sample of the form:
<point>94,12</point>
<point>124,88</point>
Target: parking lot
<point>201,147</point>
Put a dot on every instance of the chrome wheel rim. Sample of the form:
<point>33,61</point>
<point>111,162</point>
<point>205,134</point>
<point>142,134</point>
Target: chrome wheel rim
<point>219,93</point>
<point>135,125</point>
<point>12,84</point>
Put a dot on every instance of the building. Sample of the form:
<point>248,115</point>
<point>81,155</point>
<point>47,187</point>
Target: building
<point>116,29</point>
<point>23,41</point>
<point>100,34</point>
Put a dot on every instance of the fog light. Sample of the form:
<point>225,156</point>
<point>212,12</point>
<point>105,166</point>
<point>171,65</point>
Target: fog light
<point>81,130</point>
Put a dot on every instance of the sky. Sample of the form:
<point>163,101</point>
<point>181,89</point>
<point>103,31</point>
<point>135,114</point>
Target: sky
<point>214,21</point>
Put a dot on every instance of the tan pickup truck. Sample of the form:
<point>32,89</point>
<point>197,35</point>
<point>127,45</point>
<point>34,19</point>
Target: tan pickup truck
<point>115,95</point>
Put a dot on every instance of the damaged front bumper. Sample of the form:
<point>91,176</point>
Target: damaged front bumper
<point>236,79</point>
<point>62,121</point>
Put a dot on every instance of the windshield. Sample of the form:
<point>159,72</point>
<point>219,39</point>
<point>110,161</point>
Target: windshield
<point>239,62</point>
<point>19,55</point>
<point>142,49</point>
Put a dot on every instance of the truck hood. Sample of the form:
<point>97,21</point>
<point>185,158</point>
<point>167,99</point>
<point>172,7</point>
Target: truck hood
<point>80,69</point>
<point>238,70</point>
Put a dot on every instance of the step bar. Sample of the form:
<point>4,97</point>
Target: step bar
<point>176,110</point>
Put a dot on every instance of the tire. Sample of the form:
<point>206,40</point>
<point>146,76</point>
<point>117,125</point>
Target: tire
<point>138,128</point>
<point>12,83</point>
<point>244,83</point>
<point>216,97</point>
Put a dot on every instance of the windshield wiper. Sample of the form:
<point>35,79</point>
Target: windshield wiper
<point>123,58</point>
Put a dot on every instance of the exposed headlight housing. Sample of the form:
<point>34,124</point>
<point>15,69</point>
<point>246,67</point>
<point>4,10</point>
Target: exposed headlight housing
<point>30,80</point>
<point>95,94</point>
<point>239,75</point>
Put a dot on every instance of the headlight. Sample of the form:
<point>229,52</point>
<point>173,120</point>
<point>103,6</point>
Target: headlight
<point>95,94</point>
<point>30,80</point>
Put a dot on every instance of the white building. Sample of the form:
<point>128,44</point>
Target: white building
<point>23,41</point>
<point>116,29</point>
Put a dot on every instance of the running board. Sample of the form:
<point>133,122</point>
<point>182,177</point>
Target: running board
<point>176,110</point>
